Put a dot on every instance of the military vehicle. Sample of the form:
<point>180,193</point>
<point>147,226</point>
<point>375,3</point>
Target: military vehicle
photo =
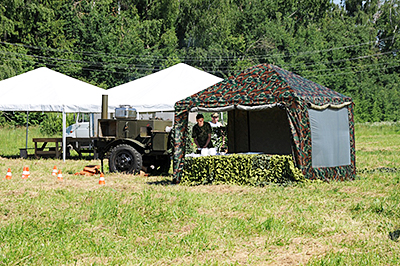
<point>132,145</point>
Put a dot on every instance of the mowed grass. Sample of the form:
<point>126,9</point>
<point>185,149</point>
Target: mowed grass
<point>144,220</point>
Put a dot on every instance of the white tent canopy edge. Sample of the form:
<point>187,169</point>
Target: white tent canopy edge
<point>45,90</point>
<point>161,90</point>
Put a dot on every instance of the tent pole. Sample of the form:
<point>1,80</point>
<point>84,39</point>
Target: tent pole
<point>64,137</point>
<point>248,131</point>
<point>27,126</point>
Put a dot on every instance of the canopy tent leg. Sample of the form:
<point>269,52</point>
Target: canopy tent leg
<point>64,136</point>
<point>27,126</point>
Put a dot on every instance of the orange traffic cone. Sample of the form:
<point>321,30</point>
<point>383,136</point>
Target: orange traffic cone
<point>24,173</point>
<point>8,175</point>
<point>54,173</point>
<point>102,181</point>
<point>28,174</point>
<point>59,176</point>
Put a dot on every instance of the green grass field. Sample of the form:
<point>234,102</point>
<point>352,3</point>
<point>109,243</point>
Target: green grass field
<point>143,220</point>
<point>13,138</point>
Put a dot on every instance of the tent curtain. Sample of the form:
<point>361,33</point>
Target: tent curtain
<point>212,110</point>
<point>297,117</point>
<point>238,106</point>
<point>329,105</point>
<point>181,133</point>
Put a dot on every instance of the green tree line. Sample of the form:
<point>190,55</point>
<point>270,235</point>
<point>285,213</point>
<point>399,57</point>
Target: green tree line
<point>351,48</point>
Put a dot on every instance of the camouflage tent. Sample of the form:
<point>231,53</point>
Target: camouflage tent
<point>274,111</point>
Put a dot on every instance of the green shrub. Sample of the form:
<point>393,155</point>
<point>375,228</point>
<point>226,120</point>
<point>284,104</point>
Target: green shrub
<point>241,169</point>
<point>19,118</point>
<point>52,123</point>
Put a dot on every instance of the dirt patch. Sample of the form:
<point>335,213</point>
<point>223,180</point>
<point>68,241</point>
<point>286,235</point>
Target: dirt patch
<point>369,148</point>
<point>349,190</point>
<point>14,193</point>
<point>185,230</point>
<point>373,194</point>
<point>300,251</point>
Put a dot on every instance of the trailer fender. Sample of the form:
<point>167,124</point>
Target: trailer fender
<point>140,147</point>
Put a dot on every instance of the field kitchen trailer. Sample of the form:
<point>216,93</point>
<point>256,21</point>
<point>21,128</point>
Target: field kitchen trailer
<point>132,145</point>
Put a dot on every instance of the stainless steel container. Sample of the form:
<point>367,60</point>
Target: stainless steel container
<point>125,111</point>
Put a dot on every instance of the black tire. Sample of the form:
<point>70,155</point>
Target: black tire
<point>126,159</point>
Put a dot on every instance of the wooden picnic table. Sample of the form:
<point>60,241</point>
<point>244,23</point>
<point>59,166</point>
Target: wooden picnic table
<point>44,150</point>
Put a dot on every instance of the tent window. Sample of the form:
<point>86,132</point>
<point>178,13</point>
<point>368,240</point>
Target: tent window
<point>330,137</point>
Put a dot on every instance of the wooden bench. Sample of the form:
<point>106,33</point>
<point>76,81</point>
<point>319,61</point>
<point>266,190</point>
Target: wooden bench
<point>49,151</point>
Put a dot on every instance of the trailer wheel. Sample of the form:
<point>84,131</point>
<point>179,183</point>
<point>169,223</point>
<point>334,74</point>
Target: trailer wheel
<point>125,158</point>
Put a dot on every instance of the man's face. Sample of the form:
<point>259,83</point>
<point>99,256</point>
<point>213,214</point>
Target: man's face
<point>200,121</point>
<point>215,119</point>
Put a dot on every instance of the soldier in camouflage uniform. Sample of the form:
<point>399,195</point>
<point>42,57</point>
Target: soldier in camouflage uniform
<point>201,133</point>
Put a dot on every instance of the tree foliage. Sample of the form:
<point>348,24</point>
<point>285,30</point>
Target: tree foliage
<point>352,49</point>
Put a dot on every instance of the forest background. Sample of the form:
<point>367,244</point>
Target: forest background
<point>349,47</point>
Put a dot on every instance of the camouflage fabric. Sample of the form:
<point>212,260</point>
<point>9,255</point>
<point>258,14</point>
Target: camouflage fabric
<point>268,84</point>
<point>218,138</point>
<point>201,134</point>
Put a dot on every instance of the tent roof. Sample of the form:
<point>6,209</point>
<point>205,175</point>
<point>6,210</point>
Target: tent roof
<point>263,84</point>
<point>46,90</point>
<point>159,91</point>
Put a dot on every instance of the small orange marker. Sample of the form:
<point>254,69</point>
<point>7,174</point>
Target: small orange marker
<point>8,175</point>
<point>102,181</point>
<point>28,174</point>
<point>24,173</point>
<point>59,176</point>
<point>54,172</point>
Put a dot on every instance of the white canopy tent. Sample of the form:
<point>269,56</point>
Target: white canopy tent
<point>45,90</point>
<point>159,91</point>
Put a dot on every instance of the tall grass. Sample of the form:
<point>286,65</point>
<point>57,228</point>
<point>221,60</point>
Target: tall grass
<point>144,220</point>
<point>378,145</point>
<point>13,138</point>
